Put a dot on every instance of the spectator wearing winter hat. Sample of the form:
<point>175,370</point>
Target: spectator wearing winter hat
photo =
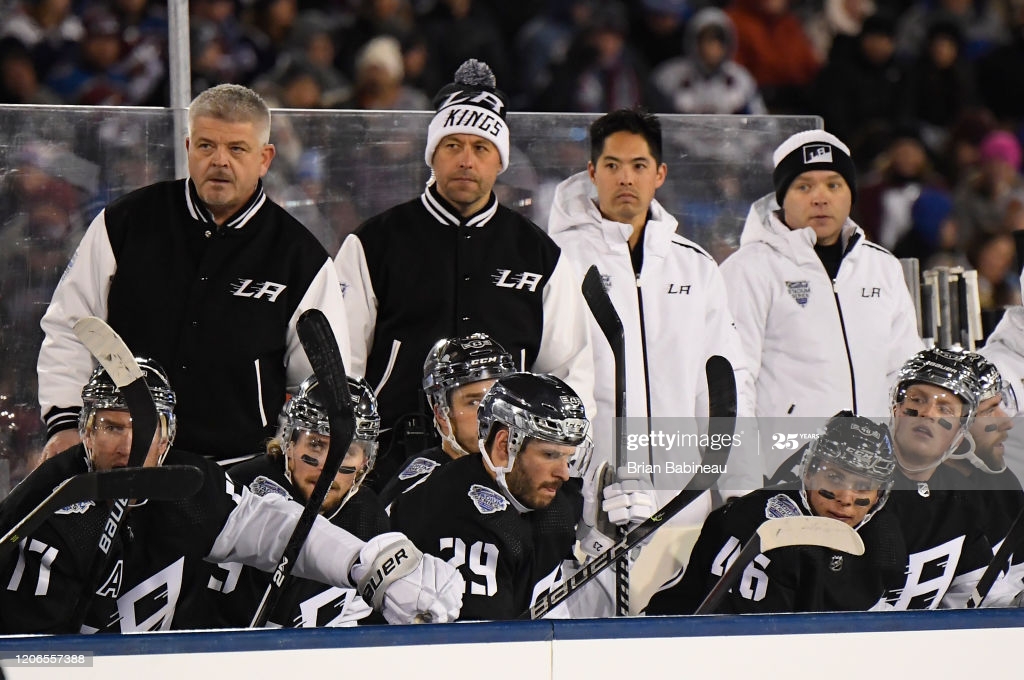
<point>452,262</point>
<point>707,80</point>
<point>990,200</point>
<point>379,79</point>
<point>824,314</point>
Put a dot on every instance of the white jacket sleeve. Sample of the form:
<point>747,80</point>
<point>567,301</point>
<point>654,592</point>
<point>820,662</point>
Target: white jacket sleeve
<point>64,364</point>
<point>565,349</point>
<point>324,293</point>
<point>359,299</point>
<point>258,529</point>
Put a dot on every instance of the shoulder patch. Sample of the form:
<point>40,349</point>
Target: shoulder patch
<point>76,508</point>
<point>781,505</point>
<point>487,500</point>
<point>419,466</point>
<point>262,486</point>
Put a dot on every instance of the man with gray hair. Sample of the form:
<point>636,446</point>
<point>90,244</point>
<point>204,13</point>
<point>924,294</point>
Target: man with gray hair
<point>205,274</point>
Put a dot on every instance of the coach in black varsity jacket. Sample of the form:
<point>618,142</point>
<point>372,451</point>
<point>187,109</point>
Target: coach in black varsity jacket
<point>208,276</point>
<point>453,262</point>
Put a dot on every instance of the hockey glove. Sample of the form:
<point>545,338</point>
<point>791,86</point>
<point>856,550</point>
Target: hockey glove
<point>406,586</point>
<point>630,500</point>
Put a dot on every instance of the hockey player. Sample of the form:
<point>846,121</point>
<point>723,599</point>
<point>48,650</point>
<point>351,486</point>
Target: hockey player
<point>824,314</point>
<point>456,375</point>
<point>662,285</point>
<point>846,474</point>
<point>509,515</point>
<point>156,558</point>
<point>1005,348</point>
<point>935,401</point>
<point>453,261</point>
<point>981,459</point>
<point>212,258</point>
<point>291,468</point>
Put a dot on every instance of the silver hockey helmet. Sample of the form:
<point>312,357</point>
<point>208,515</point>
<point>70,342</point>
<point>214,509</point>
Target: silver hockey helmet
<point>453,362</point>
<point>533,406</point>
<point>949,369</point>
<point>855,445</point>
<point>100,393</point>
<point>990,384</point>
<point>306,411</point>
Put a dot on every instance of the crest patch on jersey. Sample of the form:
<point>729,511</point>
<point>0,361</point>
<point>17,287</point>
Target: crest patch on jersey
<point>799,291</point>
<point>835,563</point>
<point>487,500</point>
<point>781,505</point>
<point>419,466</point>
<point>262,486</point>
<point>79,508</point>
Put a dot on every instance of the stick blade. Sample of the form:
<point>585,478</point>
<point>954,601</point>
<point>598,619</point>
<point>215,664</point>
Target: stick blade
<point>826,532</point>
<point>109,349</point>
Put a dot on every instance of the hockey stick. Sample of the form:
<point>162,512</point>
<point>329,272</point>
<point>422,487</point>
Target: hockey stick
<point>722,424</point>
<point>1013,540</point>
<point>321,348</point>
<point>783,532</point>
<point>115,356</point>
<point>611,326</point>
<point>171,482</point>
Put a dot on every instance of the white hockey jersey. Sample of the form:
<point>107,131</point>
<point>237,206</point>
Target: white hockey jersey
<point>818,346</point>
<point>674,314</point>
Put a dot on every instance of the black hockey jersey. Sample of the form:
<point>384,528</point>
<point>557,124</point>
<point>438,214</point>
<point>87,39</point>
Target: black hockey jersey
<point>415,470</point>
<point>156,576</point>
<point>460,515</point>
<point>305,603</point>
<point>795,579</point>
<point>942,521</point>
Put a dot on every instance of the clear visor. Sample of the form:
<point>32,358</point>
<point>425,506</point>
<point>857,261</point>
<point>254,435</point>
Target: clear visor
<point>934,404</point>
<point>578,457</point>
<point>832,477</point>
<point>310,449</point>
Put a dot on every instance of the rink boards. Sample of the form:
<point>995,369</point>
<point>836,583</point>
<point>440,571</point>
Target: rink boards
<point>946,644</point>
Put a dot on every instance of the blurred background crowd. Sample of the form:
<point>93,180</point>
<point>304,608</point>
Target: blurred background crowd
<point>929,95</point>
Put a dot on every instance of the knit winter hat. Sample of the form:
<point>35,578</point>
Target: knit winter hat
<point>471,105</point>
<point>807,151</point>
<point>1000,145</point>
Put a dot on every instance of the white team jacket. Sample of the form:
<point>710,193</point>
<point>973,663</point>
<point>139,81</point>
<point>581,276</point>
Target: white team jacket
<point>818,346</point>
<point>674,315</point>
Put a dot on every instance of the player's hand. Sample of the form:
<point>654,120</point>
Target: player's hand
<point>60,441</point>
<point>406,586</point>
<point>630,500</point>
